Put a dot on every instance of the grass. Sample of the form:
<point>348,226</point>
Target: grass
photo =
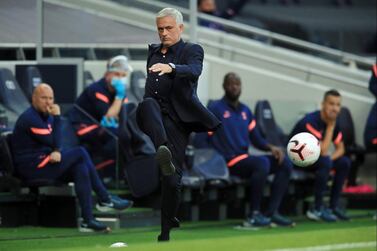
<point>205,236</point>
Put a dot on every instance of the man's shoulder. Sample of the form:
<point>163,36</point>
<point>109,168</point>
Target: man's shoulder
<point>245,107</point>
<point>193,47</point>
<point>28,115</point>
<point>313,116</point>
<point>215,103</point>
<point>98,86</point>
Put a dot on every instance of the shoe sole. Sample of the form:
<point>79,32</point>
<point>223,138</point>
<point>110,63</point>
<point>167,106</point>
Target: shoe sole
<point>279,225</point>
<point>163,158</point>
<point>312,217</point>
<point>248,225</point>
<point>104,209</point>
<point>90,230</point>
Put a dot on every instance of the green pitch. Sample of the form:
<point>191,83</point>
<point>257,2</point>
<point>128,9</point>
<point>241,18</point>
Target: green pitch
<point>359,234</point>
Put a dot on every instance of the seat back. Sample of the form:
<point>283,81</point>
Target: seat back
<point>210,165</point>
<point>11,95</point>
<point>6,160</point>
<point>29,79</point>
<point>267,125</point>
<point>346,126</point>
<point>137,84</point>
<point>70,138</point>
<point>88,78</point>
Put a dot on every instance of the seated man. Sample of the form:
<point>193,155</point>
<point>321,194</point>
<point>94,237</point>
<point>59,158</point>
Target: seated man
<point>370,132</point>
<point>209,7</point>
<point>38,155</point>
<point>323,125</point>
<point>232,141</point>
<point>102,101</point>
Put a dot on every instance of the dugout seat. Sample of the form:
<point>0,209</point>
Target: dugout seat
<point>88,78</point>
<point>267,125</point>
<point>11,95</point>
<point>354,151</point>
<point>8,169</point>
<point>29,79</point>
<point>137,84</point>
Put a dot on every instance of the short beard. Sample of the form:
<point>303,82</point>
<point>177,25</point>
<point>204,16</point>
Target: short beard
<point>232,98</point>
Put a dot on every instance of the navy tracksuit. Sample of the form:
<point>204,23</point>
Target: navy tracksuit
<point>313,124</point>
<point>96,100</point>
<point>232,141</point>
<point>35,136</point>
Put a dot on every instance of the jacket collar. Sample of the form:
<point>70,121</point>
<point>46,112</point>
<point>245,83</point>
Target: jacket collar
<point>157,47</point>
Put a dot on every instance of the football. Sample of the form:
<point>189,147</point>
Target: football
<point>303,149</point>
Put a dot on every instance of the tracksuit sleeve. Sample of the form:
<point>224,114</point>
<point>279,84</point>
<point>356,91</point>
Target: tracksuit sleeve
<point>257,140</point>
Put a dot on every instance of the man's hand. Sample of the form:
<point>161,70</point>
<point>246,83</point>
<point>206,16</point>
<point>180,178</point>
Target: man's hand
<point>109,122</point>
<point>55,157</point>
<point>277,153</point>
<point>161,68</point>
<point>54,110</point>
<point>120,87</point>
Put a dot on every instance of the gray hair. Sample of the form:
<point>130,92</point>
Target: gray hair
<point>171,12</point>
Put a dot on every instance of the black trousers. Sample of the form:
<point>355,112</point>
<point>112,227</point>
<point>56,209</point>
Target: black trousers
<point>163,129</point>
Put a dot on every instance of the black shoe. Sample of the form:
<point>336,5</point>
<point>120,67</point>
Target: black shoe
<point>93,226</point>
<point>163,158</point>
<point>163,237</point>
<point>165,231</point>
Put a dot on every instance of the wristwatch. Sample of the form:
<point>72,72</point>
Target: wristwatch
<point>172,67</point>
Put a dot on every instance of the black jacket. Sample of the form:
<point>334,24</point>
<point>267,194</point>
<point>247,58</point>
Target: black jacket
<point>183,97</point>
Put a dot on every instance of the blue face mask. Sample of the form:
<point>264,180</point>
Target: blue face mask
<point>120,86</point>
<point>115,81</point>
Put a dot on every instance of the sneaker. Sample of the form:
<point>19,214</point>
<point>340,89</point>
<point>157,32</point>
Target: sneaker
<point>257,220</point>
<point>279,220</point>
<point>323,214</point>
<point>163,158</point>
<point>93,226</point>
<point>340,214</point>
<point>115,203</point>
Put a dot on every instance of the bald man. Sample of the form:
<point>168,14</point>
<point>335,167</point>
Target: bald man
<point>36,145</point>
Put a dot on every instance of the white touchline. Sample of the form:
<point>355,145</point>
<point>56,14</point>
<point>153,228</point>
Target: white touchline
<point>340,246</point>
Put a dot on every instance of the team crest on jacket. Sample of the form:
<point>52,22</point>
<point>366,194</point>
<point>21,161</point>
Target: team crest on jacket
<point>244,115</point>
<point>226,114</point>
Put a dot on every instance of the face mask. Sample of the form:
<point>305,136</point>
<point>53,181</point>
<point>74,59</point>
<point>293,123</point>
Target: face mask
<point>115,81</point>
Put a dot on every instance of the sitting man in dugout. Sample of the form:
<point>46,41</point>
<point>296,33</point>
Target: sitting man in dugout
<point>233,140</point>
<point>103,102</point>
<point>36,145</point>
<point>324,126</point>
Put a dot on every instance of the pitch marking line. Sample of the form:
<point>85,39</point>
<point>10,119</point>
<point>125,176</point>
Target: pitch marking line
<point>341,246</point>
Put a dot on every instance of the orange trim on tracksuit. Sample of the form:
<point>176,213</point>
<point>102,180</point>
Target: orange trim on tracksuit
<point>338,138</point>
<point>313,131</point>
<point>375,69</point>
<point>102,97</point>
<point>44,162</point>
<point>252,125</point>
<point>86,130</point>
<point>374,141</point>
<point>41,131</point>
<point>104,163</point>
<point>237,159</point>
